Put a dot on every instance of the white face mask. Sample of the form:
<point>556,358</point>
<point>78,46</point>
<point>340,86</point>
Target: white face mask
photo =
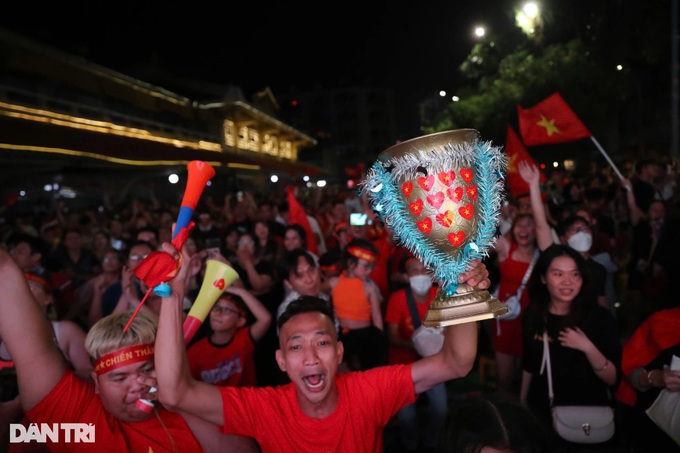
<point>420,284</point>
<point>581,241</point>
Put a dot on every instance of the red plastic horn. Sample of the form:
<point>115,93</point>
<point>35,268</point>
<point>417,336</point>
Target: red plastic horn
<point>199,175</point>
<point>159,267</point>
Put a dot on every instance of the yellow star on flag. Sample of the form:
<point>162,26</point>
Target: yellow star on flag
<point>549,126</point>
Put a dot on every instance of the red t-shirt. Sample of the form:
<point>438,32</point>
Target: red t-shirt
<point>366,402</point>
<point>73,400</point>
<point>229,364</point>
<point>398,313</point>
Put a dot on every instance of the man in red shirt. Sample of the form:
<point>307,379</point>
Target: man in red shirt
<point>321,409</point>
<point>124,365</point>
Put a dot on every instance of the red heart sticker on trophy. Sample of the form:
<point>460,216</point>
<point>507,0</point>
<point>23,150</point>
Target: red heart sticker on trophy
<point>425,225</point>
<point>445,219</point>
<point>447,177</point>
<point>407,188</point>
<point>466,174</point>
<point>455,195</point>
<point>457,238</point>
<point>416,207</point>
<point>467,211</point>
<point>436,200</point>
<point>426,182</point>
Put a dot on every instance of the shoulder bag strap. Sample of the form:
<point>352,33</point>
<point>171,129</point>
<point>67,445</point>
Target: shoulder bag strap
<point>411,302</point>
<point>545,365</point>
<point>527,274</point>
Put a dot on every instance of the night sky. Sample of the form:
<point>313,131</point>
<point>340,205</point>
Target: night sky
<point>414,48</point>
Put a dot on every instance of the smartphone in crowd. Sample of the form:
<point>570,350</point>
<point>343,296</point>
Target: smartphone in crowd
<point>357,219</point>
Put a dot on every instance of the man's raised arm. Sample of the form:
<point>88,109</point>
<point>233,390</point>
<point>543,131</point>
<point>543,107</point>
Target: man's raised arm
<point>177,389</point>
<point>27,334</point>
<point>458,354</point>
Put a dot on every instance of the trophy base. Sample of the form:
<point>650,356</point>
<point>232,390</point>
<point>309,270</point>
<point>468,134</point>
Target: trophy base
<point>471,306</point>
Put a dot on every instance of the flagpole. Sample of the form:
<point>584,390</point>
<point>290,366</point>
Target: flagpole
<point>607,157</point>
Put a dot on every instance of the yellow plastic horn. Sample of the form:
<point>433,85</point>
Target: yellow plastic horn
<point>218,276</point>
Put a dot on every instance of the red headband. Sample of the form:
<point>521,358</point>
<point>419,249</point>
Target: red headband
<point>361,253</point>
<point>331,268</point>
<point>122,357</point>
<point>33,277</point>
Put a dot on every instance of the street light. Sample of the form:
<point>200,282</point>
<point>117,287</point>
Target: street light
<point>480,31</point>
<point>528,18</point>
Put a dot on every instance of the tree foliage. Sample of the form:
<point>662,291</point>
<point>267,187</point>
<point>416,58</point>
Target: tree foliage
<point>527,76</point>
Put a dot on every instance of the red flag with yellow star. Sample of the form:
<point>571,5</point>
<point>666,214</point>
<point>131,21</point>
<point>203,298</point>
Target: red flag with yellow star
<point>550,121</point>
<point>516,154</point>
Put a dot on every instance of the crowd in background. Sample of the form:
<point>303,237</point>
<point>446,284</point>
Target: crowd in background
<point>617,235</point>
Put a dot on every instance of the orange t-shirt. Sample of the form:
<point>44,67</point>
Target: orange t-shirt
<point>350,300</point>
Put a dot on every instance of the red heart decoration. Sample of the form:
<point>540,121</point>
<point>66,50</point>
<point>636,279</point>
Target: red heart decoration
<point>219,284</point>
<point>455,194</point>
<point>436,200</point>
<point>467,211</point>
<point>456,239</point>
<point>466,174</point>
<point>407,188</point>
<point>426,182</point>
<point>471,192</point>
<point>416,207</point>
<point>445,219</point>
<point>447,177</point>
<point>425,225</point>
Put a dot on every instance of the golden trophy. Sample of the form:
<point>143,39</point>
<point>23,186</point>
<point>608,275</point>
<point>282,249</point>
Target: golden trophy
<point>440,195</point>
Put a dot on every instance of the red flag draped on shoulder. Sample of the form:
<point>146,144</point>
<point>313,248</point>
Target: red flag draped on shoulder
<point>297,214</point>
<point>516,154</point>
<point>550,121</point>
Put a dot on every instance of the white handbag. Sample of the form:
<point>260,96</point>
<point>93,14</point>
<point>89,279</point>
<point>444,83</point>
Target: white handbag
<point>578,424</point>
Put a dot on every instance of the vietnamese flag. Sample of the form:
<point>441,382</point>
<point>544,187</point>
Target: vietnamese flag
<point>550,121</point>
<point>297,214</point>
<point>517,153</point>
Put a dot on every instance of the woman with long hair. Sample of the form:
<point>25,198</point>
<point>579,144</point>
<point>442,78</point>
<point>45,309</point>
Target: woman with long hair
<point>266,247</point>
<point>583,337</point>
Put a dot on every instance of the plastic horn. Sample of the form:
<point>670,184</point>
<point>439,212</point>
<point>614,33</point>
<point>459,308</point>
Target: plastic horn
<point>159,267</point>
<point>199,175</point>
<point>218,276</point>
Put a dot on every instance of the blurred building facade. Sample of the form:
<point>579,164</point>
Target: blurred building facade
<point>68,122</point>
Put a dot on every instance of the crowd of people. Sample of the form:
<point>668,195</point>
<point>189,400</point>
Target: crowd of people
<point>310,348</point>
